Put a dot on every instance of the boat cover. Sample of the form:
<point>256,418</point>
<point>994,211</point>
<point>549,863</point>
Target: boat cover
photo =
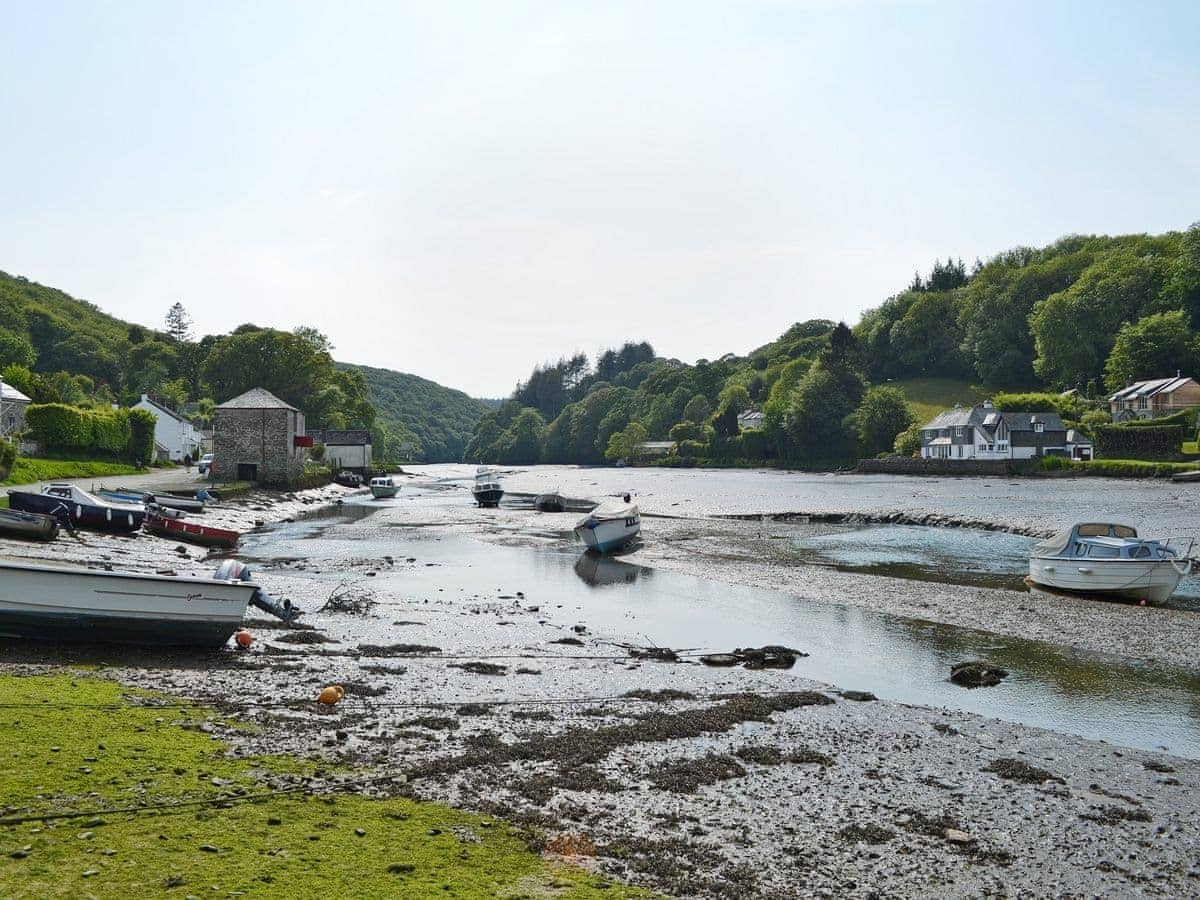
<point>1058,543</point>
<point>610,509</point>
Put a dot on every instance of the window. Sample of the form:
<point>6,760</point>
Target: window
<point>958,431</point>
<point>1099,551</point>
<point>1039,427</point>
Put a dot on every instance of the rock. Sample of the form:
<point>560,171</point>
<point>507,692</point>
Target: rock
<point>209,848</point>
<point>401,868</point>
<point>361,832</point>
<point>861,696</point>
<point>90,872</point>
<point>274,820</point>
<point>977,673</point>
<point>954,836</point>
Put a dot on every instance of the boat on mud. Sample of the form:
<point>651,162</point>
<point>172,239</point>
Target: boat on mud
<point>383,486</point>
<point>29,525</point>
<point>192,504</point>
<point>173,523</point>
<point>1104,559</point>
<point>487,490</point>
<point>348,479</point>
<point>71,503</point>
<point>64,603</point>
<point>610,526</point>
<point>551,501</point>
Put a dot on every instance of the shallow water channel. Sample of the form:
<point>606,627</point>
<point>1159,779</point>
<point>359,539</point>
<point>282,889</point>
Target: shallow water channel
<point>1092,695</point>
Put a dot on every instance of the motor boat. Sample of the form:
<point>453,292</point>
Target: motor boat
<point>29,525</point>
<point>610,526</point>
<point>73,603</point>
<point>551,501</point>
<point>71,503</point>
<point>173,523</point>
<point>1109,560</point>
<point>383,486</point>
<point>487,489</point>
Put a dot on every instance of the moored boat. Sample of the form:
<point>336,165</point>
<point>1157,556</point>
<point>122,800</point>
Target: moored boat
<point>1108,560</point>
<point>348,479</point>
<point>610,526</point>
<point>1186,477</point>
<point>552,501</point>
<point>173,524</point>
<point>76,604</point>
<point>71,503</point>
<point>487,490</point>
<point>29,525</point>
<point>383,486</point>
<point>175,501</point>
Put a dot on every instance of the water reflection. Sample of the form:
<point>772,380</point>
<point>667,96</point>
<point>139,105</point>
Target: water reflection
<point>599,570</point>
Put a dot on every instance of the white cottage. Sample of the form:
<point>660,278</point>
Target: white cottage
<point>174,436</point>
<point>12,410</point>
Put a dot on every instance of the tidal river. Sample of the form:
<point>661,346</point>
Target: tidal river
<point>501,554</point>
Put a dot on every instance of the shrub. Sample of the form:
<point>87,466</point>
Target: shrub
<point>117,433</point>
<point>8,455</point>
<point>140,440</point>
<point>316,452</point>
<point>1035,402</point>
<point>1144,442</point>
<point>691,449</point>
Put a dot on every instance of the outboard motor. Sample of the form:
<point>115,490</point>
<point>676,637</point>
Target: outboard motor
<point>232,570</point>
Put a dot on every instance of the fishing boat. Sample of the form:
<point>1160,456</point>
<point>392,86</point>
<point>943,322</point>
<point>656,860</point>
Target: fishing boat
<point>69,502</point>
<point>610,526</point>
<point>172,523</point>
<point>487,490</point>
<point>551,501</point>
<point>63,603</point>
<point>1109,560</point>
<point>28,525</point>
<point>383,486</point>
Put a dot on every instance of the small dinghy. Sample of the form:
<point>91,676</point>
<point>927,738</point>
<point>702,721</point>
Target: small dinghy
<point>29,525</point>
<point>610,526</point>
<point>1108,560</point>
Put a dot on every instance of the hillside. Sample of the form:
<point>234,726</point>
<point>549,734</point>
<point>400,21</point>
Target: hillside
<point>438,419</point>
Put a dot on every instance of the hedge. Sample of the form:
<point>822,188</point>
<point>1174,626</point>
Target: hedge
<point>1146,442</point>
<point>113,433</point>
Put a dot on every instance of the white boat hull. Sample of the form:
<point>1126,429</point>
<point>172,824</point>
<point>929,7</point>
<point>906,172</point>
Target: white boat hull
<point>59,603</point>
<point>609,534</point>
<point>1150,580</point>
<point>383,492</point>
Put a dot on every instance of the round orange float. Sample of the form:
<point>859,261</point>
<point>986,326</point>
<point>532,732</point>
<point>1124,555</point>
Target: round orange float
<point>331,694</point>
<point>243,639</point>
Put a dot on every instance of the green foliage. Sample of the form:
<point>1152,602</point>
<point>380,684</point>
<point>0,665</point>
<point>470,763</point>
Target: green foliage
<point>1152,347</point>
<point>689,431</point>
<point>882,415</point>
<point>1185,419</point>
<point>815,421</point>
<point>1035,402</point>
<point>29,470</point>
<point>317,452</point>
<point>1093,418</point>
<point>140,441</point>
<point>1149,442</point>
<point>625,443</point>
<point>908,442</point>
<point>8,456</point>
<point>115,433</point>
<point>436,420</point>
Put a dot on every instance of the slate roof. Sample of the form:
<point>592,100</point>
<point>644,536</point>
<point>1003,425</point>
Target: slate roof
<point>11,394</point>
<point>954,417</point>
<point>256,398</point>
<point>1150,388</point>
<point>342,438</point>
<point>1022,421</point>
<point>986,417</point>
<point>146,398</point>
<point>1077,437</point>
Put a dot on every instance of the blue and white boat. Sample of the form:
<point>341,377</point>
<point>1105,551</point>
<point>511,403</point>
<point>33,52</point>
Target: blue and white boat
<point>1109,560</point>
<point>610,526</point>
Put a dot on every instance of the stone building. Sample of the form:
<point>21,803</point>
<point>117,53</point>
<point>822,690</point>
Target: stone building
<point>258,437</point>
<point>12,410</point>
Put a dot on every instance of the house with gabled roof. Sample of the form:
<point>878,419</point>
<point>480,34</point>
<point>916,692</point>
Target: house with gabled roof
<point>174,436</point>
<point>984,432</point>
<point>258,437</point>
<point>347,448</point>
<point>1155,398</point>
<point>12,410</point>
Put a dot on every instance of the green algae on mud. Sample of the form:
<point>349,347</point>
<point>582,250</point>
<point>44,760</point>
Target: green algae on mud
<point>213,821</point>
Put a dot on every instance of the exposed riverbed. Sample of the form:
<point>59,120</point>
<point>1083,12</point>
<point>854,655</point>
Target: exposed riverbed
<point>446,624</point>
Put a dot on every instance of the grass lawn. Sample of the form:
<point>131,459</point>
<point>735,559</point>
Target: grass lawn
<point>929,396</point>
<point>26,470</point>
<point>210,824</point>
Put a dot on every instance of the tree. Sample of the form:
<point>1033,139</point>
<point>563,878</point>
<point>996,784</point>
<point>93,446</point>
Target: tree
<point>881,416</point>
<point>697,409</point>
<point>908,442</point>
<point>626,444</point>
<point>815,421</point>
<point>1152,347</point>
<point>16,349</point>
<point>179,324</point>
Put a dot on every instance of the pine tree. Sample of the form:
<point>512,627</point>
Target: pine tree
<point>179,324</point>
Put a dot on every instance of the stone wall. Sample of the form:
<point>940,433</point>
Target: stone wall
<point>258,437</point>
<point>910,465</point>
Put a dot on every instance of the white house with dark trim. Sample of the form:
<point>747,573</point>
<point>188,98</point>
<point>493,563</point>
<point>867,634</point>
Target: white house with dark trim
<point>984,432</point>
<point>174,436</point>
<point>12,410</point>
<point>347,448</point>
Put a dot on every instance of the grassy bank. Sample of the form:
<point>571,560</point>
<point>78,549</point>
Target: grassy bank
<point>28,471</point>
<point>207,822</point>
<point>927,397</point>
<point>1111,468</point>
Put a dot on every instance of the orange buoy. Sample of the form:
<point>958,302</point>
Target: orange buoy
<point>243,639</point>
<point>331,694</point>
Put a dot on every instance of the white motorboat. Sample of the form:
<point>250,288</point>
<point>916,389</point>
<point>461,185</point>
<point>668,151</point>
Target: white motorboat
<point>64,603</point>
<point>1105,559</point>
<point>610,526</point>
<point>383,486</point>
<point>487,488</point>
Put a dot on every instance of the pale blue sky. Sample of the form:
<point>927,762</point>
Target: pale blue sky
<point>460,190</point>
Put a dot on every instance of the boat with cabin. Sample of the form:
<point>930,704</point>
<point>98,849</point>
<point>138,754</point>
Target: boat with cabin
<point>1109,560</point>
<point>610,526</point>
<point>487,490</point>
<point>383,486</point>
<point>73,603</point>
<point>71,503</point>
<point>552,501</point>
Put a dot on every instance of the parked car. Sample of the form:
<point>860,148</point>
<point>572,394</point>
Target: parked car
<point>205,464</point>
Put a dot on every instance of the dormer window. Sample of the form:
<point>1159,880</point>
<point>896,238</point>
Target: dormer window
<point>1039,427</point>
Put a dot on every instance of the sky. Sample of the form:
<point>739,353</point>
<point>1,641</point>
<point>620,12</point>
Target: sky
<point>463,190</point>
